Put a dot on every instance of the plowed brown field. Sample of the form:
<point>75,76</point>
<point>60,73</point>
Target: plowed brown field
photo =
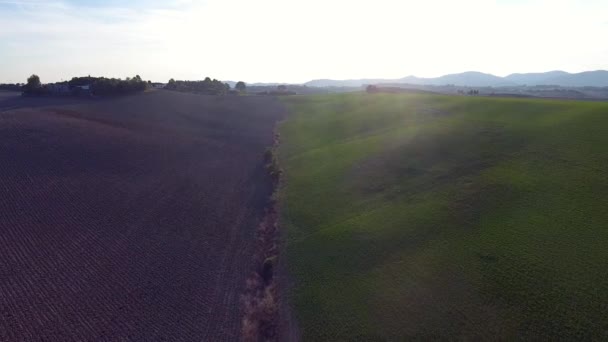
<point>131,218</point>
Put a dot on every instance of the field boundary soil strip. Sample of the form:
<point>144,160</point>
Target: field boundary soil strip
<point>261,299</point>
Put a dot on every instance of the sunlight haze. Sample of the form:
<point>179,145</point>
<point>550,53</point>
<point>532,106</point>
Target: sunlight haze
<point>296,41</point>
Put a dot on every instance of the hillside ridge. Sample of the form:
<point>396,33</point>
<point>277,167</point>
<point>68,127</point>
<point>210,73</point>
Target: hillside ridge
<point>596,78</point>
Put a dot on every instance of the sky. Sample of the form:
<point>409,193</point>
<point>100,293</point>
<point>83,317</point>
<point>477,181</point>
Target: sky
<point>295,41</point>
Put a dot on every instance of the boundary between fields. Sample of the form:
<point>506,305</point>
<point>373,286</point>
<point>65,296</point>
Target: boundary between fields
<point>261,298</point>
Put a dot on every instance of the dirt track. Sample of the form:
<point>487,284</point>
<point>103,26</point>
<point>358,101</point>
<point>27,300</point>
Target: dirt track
<point>129,218</point>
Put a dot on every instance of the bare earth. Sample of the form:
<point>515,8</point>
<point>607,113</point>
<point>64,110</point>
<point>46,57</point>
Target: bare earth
<point>130,218</point>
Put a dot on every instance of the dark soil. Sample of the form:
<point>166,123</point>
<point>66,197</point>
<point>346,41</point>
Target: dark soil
<point>131,218</point>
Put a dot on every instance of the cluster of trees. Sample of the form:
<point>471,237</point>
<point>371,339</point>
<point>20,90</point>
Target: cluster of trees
<point>206,86</point>
<point>109,86</point>
<point>11,87</point>
<point>115,86</point>
<point>87,84</point>
<point>34,86</point>
<point>280,90</point>
<point>241,86</point>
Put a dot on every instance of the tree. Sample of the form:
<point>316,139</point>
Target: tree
<point>371,89</point>
<point>33,86</point>
<point>171,85</point>
<point>282,88</point>
<point>241,86</point>
<point>33,82</point>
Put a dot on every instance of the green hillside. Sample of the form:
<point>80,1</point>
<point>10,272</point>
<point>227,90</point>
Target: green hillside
<point>422,216</point>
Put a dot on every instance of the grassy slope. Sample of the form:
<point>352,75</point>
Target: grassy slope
<point>436,216</point>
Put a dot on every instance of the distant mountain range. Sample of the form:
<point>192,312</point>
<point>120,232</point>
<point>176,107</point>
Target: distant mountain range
<point>597,78</point>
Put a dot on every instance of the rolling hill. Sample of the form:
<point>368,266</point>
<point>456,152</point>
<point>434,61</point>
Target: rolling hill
<point>535,78</point>
<point>431,217</point>
<point>597,78</point>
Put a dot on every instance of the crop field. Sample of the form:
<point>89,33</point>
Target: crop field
<point>130,218</point>
<point>442,217</point>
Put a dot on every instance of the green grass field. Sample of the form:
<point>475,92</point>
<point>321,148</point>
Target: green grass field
<point>421,216</point>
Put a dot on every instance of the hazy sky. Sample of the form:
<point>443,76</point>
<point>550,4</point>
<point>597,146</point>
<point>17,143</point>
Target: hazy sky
<point>298,40</point>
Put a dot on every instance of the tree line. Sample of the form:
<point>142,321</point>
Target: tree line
<point>104,86</point>
<point>11,86</point>
<point>114,86</point>
<point>207,86</point>
<point>85,85</point>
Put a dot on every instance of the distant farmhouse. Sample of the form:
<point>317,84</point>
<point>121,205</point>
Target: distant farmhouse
<point>58,88</point>
<point>82,90</point>
<point>66,89</point>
